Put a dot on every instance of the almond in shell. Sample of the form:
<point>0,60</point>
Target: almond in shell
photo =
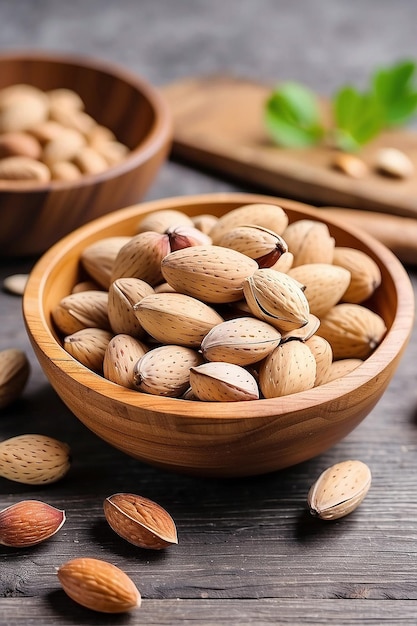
<point>165,371</point>
<point>290,368</point>
<point>14,374</point>
<point>98,258</point>
<point>267,215</point>
<point>323,356</point>
<point>34,459</point>
<point>161,221</point>
<point>24,168</point>
<point>324,284</point>
<point>309,241</point>
<point>124,294</point>
<point>210,273</point>
<point>365,275</point>
<point>352,330</point>
<point>243,341</point>
<point>141,257</point>
<point>223,382</point>
<point>341,368</point>
<point>339,490</point>
<point>259,243</point>
<point>277,299</point>
<point>88,346</point>
<point>98,585</point>
<point>85,309</point>
<point>175,318</point>
<point>121,355</point>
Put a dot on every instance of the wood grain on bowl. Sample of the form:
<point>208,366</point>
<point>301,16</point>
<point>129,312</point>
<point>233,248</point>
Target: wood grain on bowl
<point>35,215</point>
<point>215,438</point>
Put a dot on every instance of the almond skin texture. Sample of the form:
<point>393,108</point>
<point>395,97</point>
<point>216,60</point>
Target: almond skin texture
<point>86,309</point>
<point>122,354</point>
<point>176,318</point>
<point>243,341</point>
<point>141,258</point>
<point>165,371</point>
<point>309,241</point>
<point>210,273</point>
<point>33,459</point>
<point>140,521</point>
<point>290,368</point>
<point>98,258</point>
<point>98,585</point>
<point>28,523</point>
<point>339,490</point>
<point>161,221</point>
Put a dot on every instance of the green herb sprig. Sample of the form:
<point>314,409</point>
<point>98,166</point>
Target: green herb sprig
<point>293,115</point>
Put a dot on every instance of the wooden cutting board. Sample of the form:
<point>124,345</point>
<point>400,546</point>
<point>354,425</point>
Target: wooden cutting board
<point>218,124</point>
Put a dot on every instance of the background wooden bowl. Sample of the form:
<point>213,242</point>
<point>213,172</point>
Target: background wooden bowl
<point>223,439</point>
<point>34,216</point>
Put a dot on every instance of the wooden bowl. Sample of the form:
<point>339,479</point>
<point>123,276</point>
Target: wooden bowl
<point>33,216</point>
<point>215,439</point>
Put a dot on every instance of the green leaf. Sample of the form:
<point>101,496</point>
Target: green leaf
<point>394,89</point>
<point>358,118</point>
<point>292,116</point>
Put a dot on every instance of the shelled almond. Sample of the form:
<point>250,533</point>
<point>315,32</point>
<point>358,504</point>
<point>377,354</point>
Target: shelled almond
<point>47,135</point>
<point>238,312</point>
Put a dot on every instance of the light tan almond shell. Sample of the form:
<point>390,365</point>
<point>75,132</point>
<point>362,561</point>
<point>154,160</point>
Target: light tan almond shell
<point>175,318</point>
<point>64,147</point>
<point>267,215</point>
<point>124,293</point>
<point>259,243</point>
<point>122,354</point>
<point>15,283</point>
<point>223,382</point>
<point>98,258</point>
<point>72,119</point>
<point>210,273</point>
<point>324,283</point>
<point>352,330</point>
<point>19,112</point>
<point>242,341</point>
<point>14,374</point>
<point>28,523</point>
<point>323,355</point>
<point>65,99</point>
<point>204,222</point>
<point>161,221</point>
<point>88,346</point>
<point>141,258</point>
<point>64,170</point>
<point>98,585</point>
<point>277,299</point>
<point>85,285</point>
<point>140,521</point>
<point>340,368</point>
<point>339,490</point>
<point>85,309</point>
<point>365,275</point>
<point>165,371</point>
<point>19,144</point>
<point>23,168</point>
<point>164,288</point>
<point>112,151</point>
<point>89,161</point>
<point>34,459</point>
<point>290,368</point>
<point>309,241</point>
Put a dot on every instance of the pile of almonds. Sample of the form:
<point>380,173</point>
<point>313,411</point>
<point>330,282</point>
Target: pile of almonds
<point>49,136</point>
<point>240,307</point>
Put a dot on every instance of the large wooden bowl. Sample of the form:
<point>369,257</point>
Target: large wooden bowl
<point>223,439</point>
<point>33,216</point>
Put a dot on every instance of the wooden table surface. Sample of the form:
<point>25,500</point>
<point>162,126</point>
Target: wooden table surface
<point>248,551</point>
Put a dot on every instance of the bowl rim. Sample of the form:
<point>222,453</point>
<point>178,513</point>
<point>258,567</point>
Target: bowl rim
<point>157,136</point>
<point>43,339</point>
